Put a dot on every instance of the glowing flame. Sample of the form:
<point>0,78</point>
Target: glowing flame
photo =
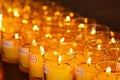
<point>34,43</point>
<point>93,31</point>
<point>62,40</point>
<point>24,21</point>
<point>112,33</point>
<point>98,47</point>
<point>81,25</point>
<point>59,60</point>
<point>9,10</point>
<point>85,20</point>
<point>68,18</point>
<point>48,36</point>
<point>35,28</point>
<point>48,19</point>
<point>70,51</point>
<point>113,40</point>
<point>57,13</point>
<point>42,50</point>
<point>44,7</point>
<point>71,14</point>
<point>16,36</point>
<point>108,70</point>
<point>89,60</point>
<point>16,13</point>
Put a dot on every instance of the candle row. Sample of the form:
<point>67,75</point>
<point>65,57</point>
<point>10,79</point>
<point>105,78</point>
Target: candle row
<point>51,42</point>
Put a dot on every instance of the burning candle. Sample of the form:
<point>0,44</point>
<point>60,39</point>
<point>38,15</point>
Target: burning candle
<point>57,70</point>
<point>36,61</point>
<point>85,71</point>
<point>10,48</point>
<point>105,71</point>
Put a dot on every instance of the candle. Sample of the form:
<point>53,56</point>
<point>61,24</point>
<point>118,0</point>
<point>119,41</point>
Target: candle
<point>24,58</point>
<point>36,61</point>
<point>10,48</point>
<point>58,70</point>
<point>85,71</point>
<point>106,70</point>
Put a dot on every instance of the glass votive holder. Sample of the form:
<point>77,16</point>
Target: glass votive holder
<point>10,47</point>
<point>36,62</point>
<point>25,42</point>
<point>107,70</point>
<point>96,55</point>
<point>57,67</point>
<point>112,53</point>
<point>84,70</point>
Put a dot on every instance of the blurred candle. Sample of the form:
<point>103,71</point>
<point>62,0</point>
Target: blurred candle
<point>85,71</point>
<point>58,70</point>
<point>36,61</point>
<point>11,49</point>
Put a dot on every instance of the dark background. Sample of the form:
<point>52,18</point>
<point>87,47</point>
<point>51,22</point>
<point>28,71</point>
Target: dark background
<point>104,11</point>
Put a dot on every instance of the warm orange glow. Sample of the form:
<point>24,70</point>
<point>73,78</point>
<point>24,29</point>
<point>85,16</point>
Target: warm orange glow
<point>34,43</point>
<point>68,18</point>
<point>81,25</point>
<point>16,36</point>
<point>62,40</point>
<point>108,70</point>
<point>93,31</point>
<point>42,50</point>
<point>112,33</point>
<point>24,21</point>
<point>16,13</point>
<point>113,40</point>
<point>44,7</point>
<point>98,47</point>
<point>9,10</point>
<point>71,14</point>
<point>57,13</point>
<point>48,19</point>
<point>59,59</point>
<point>85,20</point>
<point>89,60</point>
<point>35,28</point>
<point>71,51</point>
<point>48,36</point>
<point>1,17</point>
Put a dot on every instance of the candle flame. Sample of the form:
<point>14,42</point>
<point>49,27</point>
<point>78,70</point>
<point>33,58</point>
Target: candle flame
<point>48,19</point>
<point>85,20</point>
<point>48,36</point>
<point>24,21</point>
<point>108,70</point>
<point>68,18</point>
<point>71,51</point>
<point>62,40</point>
<point>34,43</point>
<point>44,7</point>
<point>42,50</point>
<point>59,60</point>
<point>112,33</point>
<point>113,40</point>
<point>9,10</point>
<point>16,36</point>
<point>35,28</point>
<point>89,60</point>
<point>98,47</point>
<point>71,14</point>
<point>93,31</point>
<point>16,13</point>
<point>81,25</point>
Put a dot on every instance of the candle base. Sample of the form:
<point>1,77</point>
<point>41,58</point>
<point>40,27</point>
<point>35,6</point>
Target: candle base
<point>7,60</point>
<point>35,78</point>
<point>23,69</point>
